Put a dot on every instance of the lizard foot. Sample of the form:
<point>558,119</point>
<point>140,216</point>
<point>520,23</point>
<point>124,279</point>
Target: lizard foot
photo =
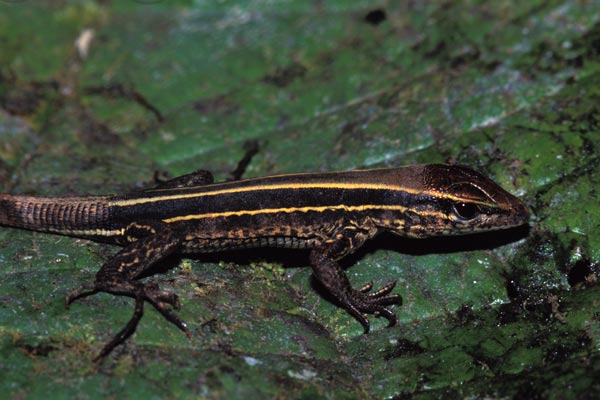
<point>141,293</point>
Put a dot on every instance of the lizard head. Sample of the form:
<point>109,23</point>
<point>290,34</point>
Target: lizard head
<point>456,200</point>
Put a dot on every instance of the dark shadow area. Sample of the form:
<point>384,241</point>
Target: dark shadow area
<point>438,245</point>
<point>375,17</point>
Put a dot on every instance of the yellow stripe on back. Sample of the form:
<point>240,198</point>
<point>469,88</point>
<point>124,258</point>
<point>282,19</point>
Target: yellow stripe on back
<point>289,186</point>
<point>344,207</point>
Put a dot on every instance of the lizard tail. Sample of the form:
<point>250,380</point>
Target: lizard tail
<point>60,215</point>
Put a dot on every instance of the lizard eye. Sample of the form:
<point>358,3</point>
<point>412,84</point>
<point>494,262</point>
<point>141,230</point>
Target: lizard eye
<point>466,211</point>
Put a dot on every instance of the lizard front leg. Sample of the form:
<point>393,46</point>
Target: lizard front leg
<point>119,274</point>
<point>331,275</point>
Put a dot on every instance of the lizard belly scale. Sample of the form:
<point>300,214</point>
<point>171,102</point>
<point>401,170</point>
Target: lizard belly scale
<point>253,231</point>
<point>292,230</point>
<point>198,245</point>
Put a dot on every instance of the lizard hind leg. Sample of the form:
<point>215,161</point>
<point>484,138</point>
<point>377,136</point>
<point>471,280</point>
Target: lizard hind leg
<point>118,277</point>
<point>197,178</point>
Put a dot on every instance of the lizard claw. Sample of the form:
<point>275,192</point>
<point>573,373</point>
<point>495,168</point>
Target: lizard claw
<point>360,302</point>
